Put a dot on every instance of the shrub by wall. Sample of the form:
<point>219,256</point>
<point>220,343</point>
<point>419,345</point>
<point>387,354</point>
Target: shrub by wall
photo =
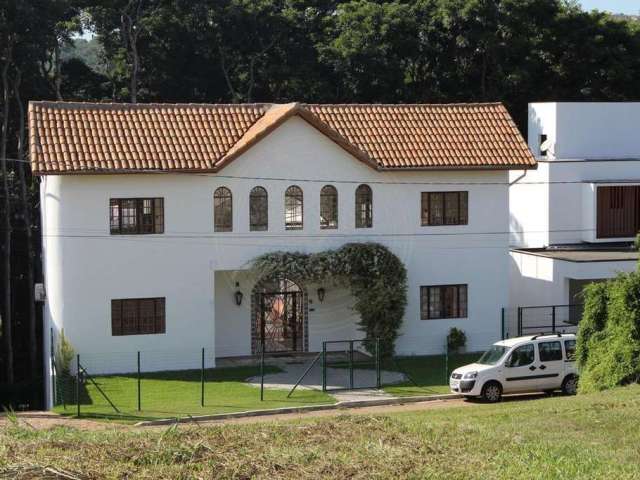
<point>609,341</point>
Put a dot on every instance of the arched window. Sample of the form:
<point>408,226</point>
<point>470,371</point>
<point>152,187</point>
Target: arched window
<point>222,210</point>
<point>258,210</point>
<point>328,207</point>
<point>293,208</point>
<point>364,207</point>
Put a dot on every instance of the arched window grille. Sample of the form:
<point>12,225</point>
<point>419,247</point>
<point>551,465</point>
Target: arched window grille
<point>258,210</point>
<point>364,207</point>
<point>222,210</point>
<point>293,208</point>
<point>328,207</point>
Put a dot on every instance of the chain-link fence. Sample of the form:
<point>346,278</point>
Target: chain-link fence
<point>154,384</point>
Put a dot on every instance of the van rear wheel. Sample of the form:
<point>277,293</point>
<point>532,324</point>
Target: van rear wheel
<point>491,392</point>
<point>570,385</point>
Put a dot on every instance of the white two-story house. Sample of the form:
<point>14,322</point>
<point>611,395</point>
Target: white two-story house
<point>574,218</point>
<point>152,214</point>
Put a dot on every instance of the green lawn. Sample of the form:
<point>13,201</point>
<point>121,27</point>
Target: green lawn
<point>178,394</point>
<point>430,373</point>
<point>593,436</point>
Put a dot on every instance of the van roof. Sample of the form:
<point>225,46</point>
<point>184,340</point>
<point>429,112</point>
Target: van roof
<point>510,342</point>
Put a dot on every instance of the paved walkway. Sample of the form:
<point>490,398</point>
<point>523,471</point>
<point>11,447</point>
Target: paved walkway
<point>364,380</point>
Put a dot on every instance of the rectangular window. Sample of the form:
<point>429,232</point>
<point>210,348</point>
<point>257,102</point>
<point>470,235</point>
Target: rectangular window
<point>134,216</point>
<point>550,351</point>
<point>443,301</point>
<point>137,316</point>
<point>445,208</point>
<point>618,212</point>
<point>570,350</point>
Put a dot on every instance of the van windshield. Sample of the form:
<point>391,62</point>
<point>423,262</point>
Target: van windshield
<point>493,355</point>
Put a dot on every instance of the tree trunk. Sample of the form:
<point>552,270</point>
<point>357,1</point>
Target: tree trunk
<point>57,75</point>
<point>25,207</point>
<point>6,220</point>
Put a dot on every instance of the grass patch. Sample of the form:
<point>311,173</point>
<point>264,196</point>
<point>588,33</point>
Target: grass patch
<point>430,373</point>
<point>593,436</point>
<point>178,394</point>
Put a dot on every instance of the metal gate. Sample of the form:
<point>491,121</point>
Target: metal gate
<point>280,322</point>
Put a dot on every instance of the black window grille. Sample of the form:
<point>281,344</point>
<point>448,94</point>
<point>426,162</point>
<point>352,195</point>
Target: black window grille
<point>258,210</point>
<point>328,207</point>
<point>293,208</point>
<point>222,210</point>
<point>364,207</point>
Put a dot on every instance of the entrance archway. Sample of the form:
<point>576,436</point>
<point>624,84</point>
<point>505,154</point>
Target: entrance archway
<point>279,317</point>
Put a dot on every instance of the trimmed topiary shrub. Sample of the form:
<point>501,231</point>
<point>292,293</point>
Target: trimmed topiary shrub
<point>456,339</point>
<point>609,350</point>
<point>376,277</point>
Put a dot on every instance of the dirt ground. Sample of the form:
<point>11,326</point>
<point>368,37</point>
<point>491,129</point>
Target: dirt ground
<point>44,420</point>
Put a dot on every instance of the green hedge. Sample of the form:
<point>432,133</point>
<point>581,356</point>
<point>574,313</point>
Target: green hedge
<point>609,337</point>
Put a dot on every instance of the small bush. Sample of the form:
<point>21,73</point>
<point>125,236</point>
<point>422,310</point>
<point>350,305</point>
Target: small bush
<point>64,354</point>
<point>456,339</point>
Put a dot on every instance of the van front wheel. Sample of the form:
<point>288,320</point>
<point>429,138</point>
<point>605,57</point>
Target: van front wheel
<point>491,392</point>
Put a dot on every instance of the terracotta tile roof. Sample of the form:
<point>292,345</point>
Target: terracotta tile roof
<point>118,138</point>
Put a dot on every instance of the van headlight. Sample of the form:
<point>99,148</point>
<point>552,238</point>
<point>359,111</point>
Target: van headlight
<point>470,375</point>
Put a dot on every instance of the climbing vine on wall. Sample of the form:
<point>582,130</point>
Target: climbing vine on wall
<point>376,277</point>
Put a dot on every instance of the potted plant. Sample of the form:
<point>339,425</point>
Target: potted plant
<point>456,340</point>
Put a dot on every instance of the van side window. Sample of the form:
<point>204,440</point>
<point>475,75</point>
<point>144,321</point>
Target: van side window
<point>521,356</point>
<point>570,350</point>
<point>550,351</point>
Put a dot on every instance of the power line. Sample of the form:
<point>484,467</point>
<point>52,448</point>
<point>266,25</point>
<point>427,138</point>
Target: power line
<point>326,180</point>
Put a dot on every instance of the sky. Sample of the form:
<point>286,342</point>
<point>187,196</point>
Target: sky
<point>615,6</point>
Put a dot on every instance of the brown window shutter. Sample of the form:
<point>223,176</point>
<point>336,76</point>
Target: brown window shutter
<point>116,317</point>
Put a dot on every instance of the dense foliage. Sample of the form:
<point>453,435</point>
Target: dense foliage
<point>376,277</point>
<point>609,337</point>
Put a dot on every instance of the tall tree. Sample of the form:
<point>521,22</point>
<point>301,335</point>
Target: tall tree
<point>8,39</point>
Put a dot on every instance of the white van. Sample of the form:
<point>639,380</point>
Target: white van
<point>537,363</point>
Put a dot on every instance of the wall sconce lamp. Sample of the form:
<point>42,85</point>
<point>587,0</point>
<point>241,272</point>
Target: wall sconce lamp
<point>321,292</point>
<point>238,295</point>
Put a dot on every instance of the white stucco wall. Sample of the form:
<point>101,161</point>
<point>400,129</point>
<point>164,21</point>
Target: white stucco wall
<point>591,142</point>
<point>86,267</point>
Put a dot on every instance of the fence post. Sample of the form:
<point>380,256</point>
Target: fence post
<point>324,366</point>
<point>553,319</point>
<point>52,367</point>
<point>262,374</point>
<point>446,362</point>
<point>502,326</point>
<point>139,396</point>
<point>519,321</point>
<point>378,383</point>
<point>351,365</point>
<point>202,381</point>
<point>78,384</point>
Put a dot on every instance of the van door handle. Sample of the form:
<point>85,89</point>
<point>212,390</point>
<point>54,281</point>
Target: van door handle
<point>542,367</point>
<point>532,368</point>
